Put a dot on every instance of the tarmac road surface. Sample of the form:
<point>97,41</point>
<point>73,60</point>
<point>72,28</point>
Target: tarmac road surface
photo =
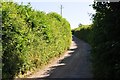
<point>75,63</point>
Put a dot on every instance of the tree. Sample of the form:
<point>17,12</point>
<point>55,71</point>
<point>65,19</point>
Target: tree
<point>106,40</point>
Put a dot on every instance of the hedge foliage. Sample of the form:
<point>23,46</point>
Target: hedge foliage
<point>31,38</point>
<point>105,40</point>
<point>83,32</point>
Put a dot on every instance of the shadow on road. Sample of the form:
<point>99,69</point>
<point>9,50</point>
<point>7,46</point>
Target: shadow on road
<point>56,70</point>
<point>69,67</point>
<point>74,64</point>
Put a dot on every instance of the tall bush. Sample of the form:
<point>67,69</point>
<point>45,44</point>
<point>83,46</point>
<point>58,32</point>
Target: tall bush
<point>31,38</point>
<point>106,40</point>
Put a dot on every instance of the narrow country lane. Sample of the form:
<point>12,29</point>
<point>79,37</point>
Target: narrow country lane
<point>75,63</point>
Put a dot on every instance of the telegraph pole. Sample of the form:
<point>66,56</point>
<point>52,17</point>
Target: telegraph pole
<point>61,7</point>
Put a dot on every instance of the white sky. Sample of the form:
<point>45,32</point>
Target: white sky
<point>75,11</point>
